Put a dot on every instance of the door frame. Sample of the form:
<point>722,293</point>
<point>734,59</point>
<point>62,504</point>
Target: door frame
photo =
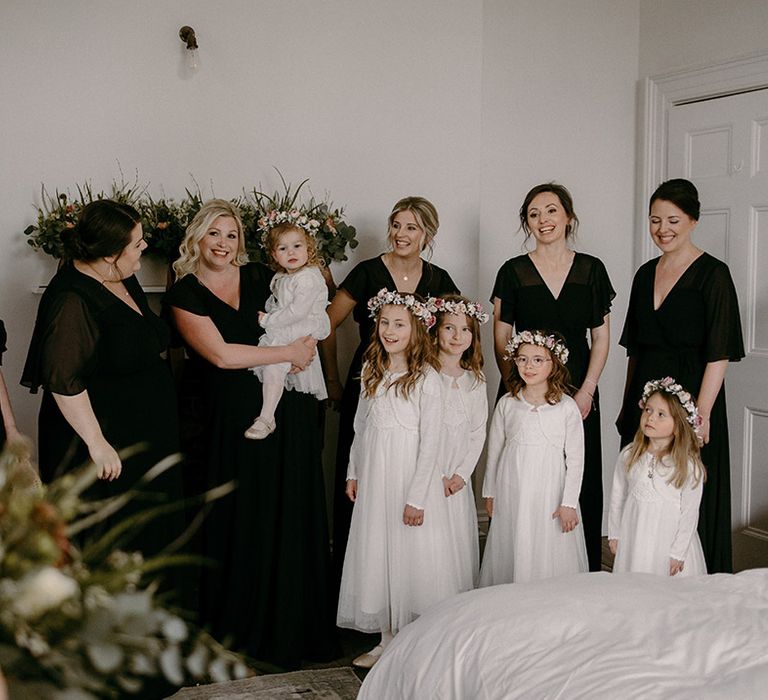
<point>659,93</point>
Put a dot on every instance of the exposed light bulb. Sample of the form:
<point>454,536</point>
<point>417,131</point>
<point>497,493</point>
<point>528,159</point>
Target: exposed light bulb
<point>193,60</point>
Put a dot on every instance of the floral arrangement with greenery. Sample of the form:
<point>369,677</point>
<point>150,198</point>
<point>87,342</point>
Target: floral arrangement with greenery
<point>332,234</point>
<point>79,629</point>
<point>165,220</point>
<point>60,212</point>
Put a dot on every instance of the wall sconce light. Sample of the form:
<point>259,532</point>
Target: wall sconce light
<point>187,35</point>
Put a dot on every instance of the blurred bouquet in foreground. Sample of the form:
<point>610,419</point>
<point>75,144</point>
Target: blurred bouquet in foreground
<point>77,629</point>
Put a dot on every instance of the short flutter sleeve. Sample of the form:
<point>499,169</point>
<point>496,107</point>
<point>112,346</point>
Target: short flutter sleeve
<point>629,334</point>
<point>602,292</point>
<point>63,352</point>
<point>505,289</point>
<point>724,339</point>
<point>186,295</point>
<point>357,283</point>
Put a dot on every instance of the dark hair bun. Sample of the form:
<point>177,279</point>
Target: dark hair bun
<point>103,229</point>
<point>682,193</point>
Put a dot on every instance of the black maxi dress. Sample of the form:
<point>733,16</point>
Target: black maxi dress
<point>85,338</point>
<point>269,588</point>
<point>3,348</point>
<point>363,282</point>
<point>698,322</point>
<point>585,299</point>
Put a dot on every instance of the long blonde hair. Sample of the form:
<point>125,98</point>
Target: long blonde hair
<point>419,354</point>
<point>189,250</point>
<point>472,357</point>
<point>682,450</point>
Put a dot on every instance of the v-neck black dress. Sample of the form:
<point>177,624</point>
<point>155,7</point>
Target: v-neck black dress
<point>698,322</point>
<point>269,591</point>
<point>528,304</point>
<point>363,282</point>
<point>86,339</point>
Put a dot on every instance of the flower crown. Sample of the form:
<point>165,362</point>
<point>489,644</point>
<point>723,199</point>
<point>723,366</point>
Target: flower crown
<point>419,309</point>
<point>295,217</point>
<point>439,305</point>
<point>670,386</point>
<point>556,346</point>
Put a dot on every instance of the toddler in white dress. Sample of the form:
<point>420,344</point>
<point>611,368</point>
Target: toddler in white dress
<point>534,470</point>
<point>457,336</point>
<point>657,488</point>
<point>295,309</point>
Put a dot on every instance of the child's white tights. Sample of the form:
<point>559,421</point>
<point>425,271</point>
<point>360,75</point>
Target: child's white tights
<point>274,382</point>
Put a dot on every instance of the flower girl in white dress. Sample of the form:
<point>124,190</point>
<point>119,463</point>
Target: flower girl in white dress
<point>534,470</point>
<point>397,562</point>
<point>457,335</point>
<point>295,309</point>
<point>657,488</point>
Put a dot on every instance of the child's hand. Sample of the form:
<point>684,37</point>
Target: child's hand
<point>351,489</point>
<point>675,566</point>
<point>454,484</point>
<point>489,507</point>
<point>446,486</point>
<point>568,518</point>
<point>413,516</point>
<point>613,545</point>
<point>262,314</point>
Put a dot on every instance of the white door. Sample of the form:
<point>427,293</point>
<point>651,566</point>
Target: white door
<point>721,145</point>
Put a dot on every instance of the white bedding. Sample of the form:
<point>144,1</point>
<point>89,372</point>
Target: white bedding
<point>586,636</point>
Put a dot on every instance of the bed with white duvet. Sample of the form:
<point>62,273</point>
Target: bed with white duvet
<point>586,636</point>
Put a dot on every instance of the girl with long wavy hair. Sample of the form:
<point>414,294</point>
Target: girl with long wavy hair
<point>397,561</point>
<point>657,487</point>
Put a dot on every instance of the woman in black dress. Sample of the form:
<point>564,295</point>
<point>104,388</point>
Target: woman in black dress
<point>412,227</point>
<point>96,352</point>
<point>683,322</point>
<point>269,590</point>
<point>557,289</point>
<point>8,430</point>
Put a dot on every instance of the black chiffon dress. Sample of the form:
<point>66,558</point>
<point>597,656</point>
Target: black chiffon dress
<point>86,339</point>
<point>698,322</point>
<point>269,591</point>
<point>363,282</point>
<point>585,299</point>
<point>3,348</point>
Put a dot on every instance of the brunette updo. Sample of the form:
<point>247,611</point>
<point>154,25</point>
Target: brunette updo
<point>103,229</point>
<point>680,192</point>
<point>566,201</point>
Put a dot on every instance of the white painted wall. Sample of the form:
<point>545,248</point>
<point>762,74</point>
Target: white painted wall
<point>678,34</point>
<point>559,104</point>
<point>468,102</point>
<point>371,100</point>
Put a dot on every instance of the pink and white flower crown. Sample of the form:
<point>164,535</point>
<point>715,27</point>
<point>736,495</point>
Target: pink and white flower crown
<point>556,346</point>
<point>295,217</point>
<point>439,305</point>
<point>669,386</point>
<point>419,309</point>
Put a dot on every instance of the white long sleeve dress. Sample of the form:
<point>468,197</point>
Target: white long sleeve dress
<point>295,309</point>
<point>463,436</point>
<point>392,571</point>
<point>653,520</point>
<point>535,464</point>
